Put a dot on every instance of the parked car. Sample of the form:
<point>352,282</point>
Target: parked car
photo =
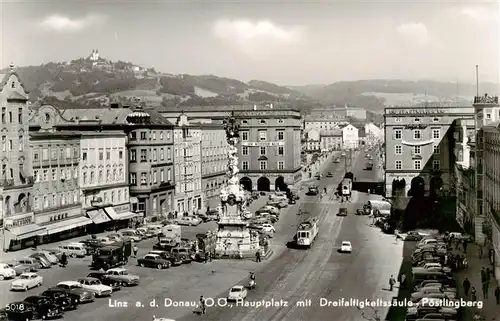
<point>132,235</point>
<point>188,220</point>
<point>62,299</point>
<point>19,268</point>
<point>143,231</point>
<point>95,286</point>
<point>423,292</point>
<point>268,228</point>
<point>104,240</point>
<point>102,276</point>
<point>346,247</point>
<point>330,174</point>
<point>35,265</point>
<point>212,215</point>
<point>6,272</point>
<point>74,249</point>
<point>26,281</point>
<point>185,253</point>
<point>115,237</point>
<point>62,293</point>
<point>237,292</point>
<point>292,201</point>
<point>154,260</point>
<point>122,275</point>
<point>44,307</point>
<point>76,287</point>
<point>175,259</point>
<point>48,256</point>
<point>43,261</point>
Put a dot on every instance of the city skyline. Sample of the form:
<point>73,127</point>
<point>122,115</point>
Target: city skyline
<point>290,43</point>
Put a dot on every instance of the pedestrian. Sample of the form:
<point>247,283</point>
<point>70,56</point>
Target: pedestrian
<point>497,295</point>
<point>465,246</point>
<point>202,305</point>
<point>64,260</point>
<point>257,256</point>
<point>403,280</point>
<point>466,285</point>
<point>135,249</point>
<point>206,257</point>
<point>480,252</point>
<point>473,294</point>
<point>392,282</point>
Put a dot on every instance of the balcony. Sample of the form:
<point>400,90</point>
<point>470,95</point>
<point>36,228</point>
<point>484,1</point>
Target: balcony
<point>490,100</point>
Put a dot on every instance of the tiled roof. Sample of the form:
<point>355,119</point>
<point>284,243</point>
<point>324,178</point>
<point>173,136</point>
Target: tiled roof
<point>103,115</point>
<point>157,118</point>
<point>222,108</point>
<point>16,95</point>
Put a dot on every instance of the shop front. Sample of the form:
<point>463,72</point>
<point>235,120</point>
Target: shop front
<point>62,224</point>
<point>20,232</point>
<point>100,221</point>
<point>121,215</point>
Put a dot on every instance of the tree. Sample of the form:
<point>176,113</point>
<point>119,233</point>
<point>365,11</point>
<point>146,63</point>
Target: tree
<point>373,315</point>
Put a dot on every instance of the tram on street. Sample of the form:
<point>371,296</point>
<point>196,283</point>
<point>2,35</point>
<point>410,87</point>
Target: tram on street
<point>307,233</point>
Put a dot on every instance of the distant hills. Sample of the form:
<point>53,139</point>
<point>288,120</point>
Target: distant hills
<point>96,82</point>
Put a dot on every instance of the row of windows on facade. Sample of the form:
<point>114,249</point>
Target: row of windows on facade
<point>55,200</point>
<point>165,206</point>
<point>417,133</point>
<point>245,135</point>
<point>263,121</point>
<point>415,150</point>
<point>416,120</point>
<point>191,168</point>
<point>111,177</point>
<point>417,164</point>
<point>64,153</point>
<point>214,167</point>
<point>62,174</point>
<point>214,151</point>
<point>152,135</point>
<point>153,154</point>
<point>280,150</point>
<point>8,144</point>
<point>153,177</point>
<point>280,165</point>
<point>109,156</point>
<point>113,197</point>
<point>9,173</point>
<point>8,117</point>
<point>188,187</point>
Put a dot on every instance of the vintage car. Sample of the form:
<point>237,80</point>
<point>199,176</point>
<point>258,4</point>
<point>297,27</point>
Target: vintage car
<point>154,260</point>
<point>103,277</point>
<point>292,201</point>
<point>420,310</point>
<point>132,235</point>
<point>424,292</point>
<point>211,215</point>
<point>175,259</point>
<point>62,299</point>
<point>6,272</point>
<point>330,174</point>
<point>236,293</point>
<point>35,265</point>
<point>268,228</point>
<point>44,307</point>
<point>76,287</point>
<point>95,286</point>
<point>48,256</point>
<point>44,262</point>
<point>19,268</point>
<point>122,275</point>
<point>63,296</point>
<point>26,281</point>
<point>188,220</point>
<point>271,209</point>
<point>346,247</point>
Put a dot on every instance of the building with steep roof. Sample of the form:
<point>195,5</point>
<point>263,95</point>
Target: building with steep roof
<point>16,173</point>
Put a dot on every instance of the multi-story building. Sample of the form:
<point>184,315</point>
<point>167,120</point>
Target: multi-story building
<point>340,114</point>
<point>150,152</point>
<point>266,127</point>
<point>56,155</point>
<point>103,178</point>
<point>20,229</point>
<point>331,139</point>
<point>325,123</point>
<point>373,134</point>
<point>270,147</point>
<point>350,137</point>
<point>464,136</point>
<point>214,153</point>
<point>187,166</point>
<point>311,142</point>
<point>417,148</point>
<point>491,188</point>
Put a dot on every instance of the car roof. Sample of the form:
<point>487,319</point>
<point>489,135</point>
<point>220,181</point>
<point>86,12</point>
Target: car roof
<point>117,270</point>
<point>346,242</point>
<point>29,273</point>
<point>88,278</point>
<point>69,283</point>
<point>237,287</point>
<point>152,254</point>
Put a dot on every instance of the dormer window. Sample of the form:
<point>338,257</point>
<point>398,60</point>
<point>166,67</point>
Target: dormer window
<point>435,119</point>
<point>417,120</point>
<point>262,121</point>
<point>13,85</point>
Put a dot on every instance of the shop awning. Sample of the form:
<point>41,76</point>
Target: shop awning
<point>65,225</point>
<point>25,231</point>
<point>119,216</point>
<point>98,216</point>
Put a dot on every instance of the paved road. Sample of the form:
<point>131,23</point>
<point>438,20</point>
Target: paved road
<point>363,175</point>
<point>321,272</point>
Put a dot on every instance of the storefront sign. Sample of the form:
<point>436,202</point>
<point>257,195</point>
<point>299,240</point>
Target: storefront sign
<point>122,208</point>
<point>406,176</point>
<point>422,111</point>
<point>19,220</point>
<point>259,144</point>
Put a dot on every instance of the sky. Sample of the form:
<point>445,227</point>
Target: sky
<point>286,42</point>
